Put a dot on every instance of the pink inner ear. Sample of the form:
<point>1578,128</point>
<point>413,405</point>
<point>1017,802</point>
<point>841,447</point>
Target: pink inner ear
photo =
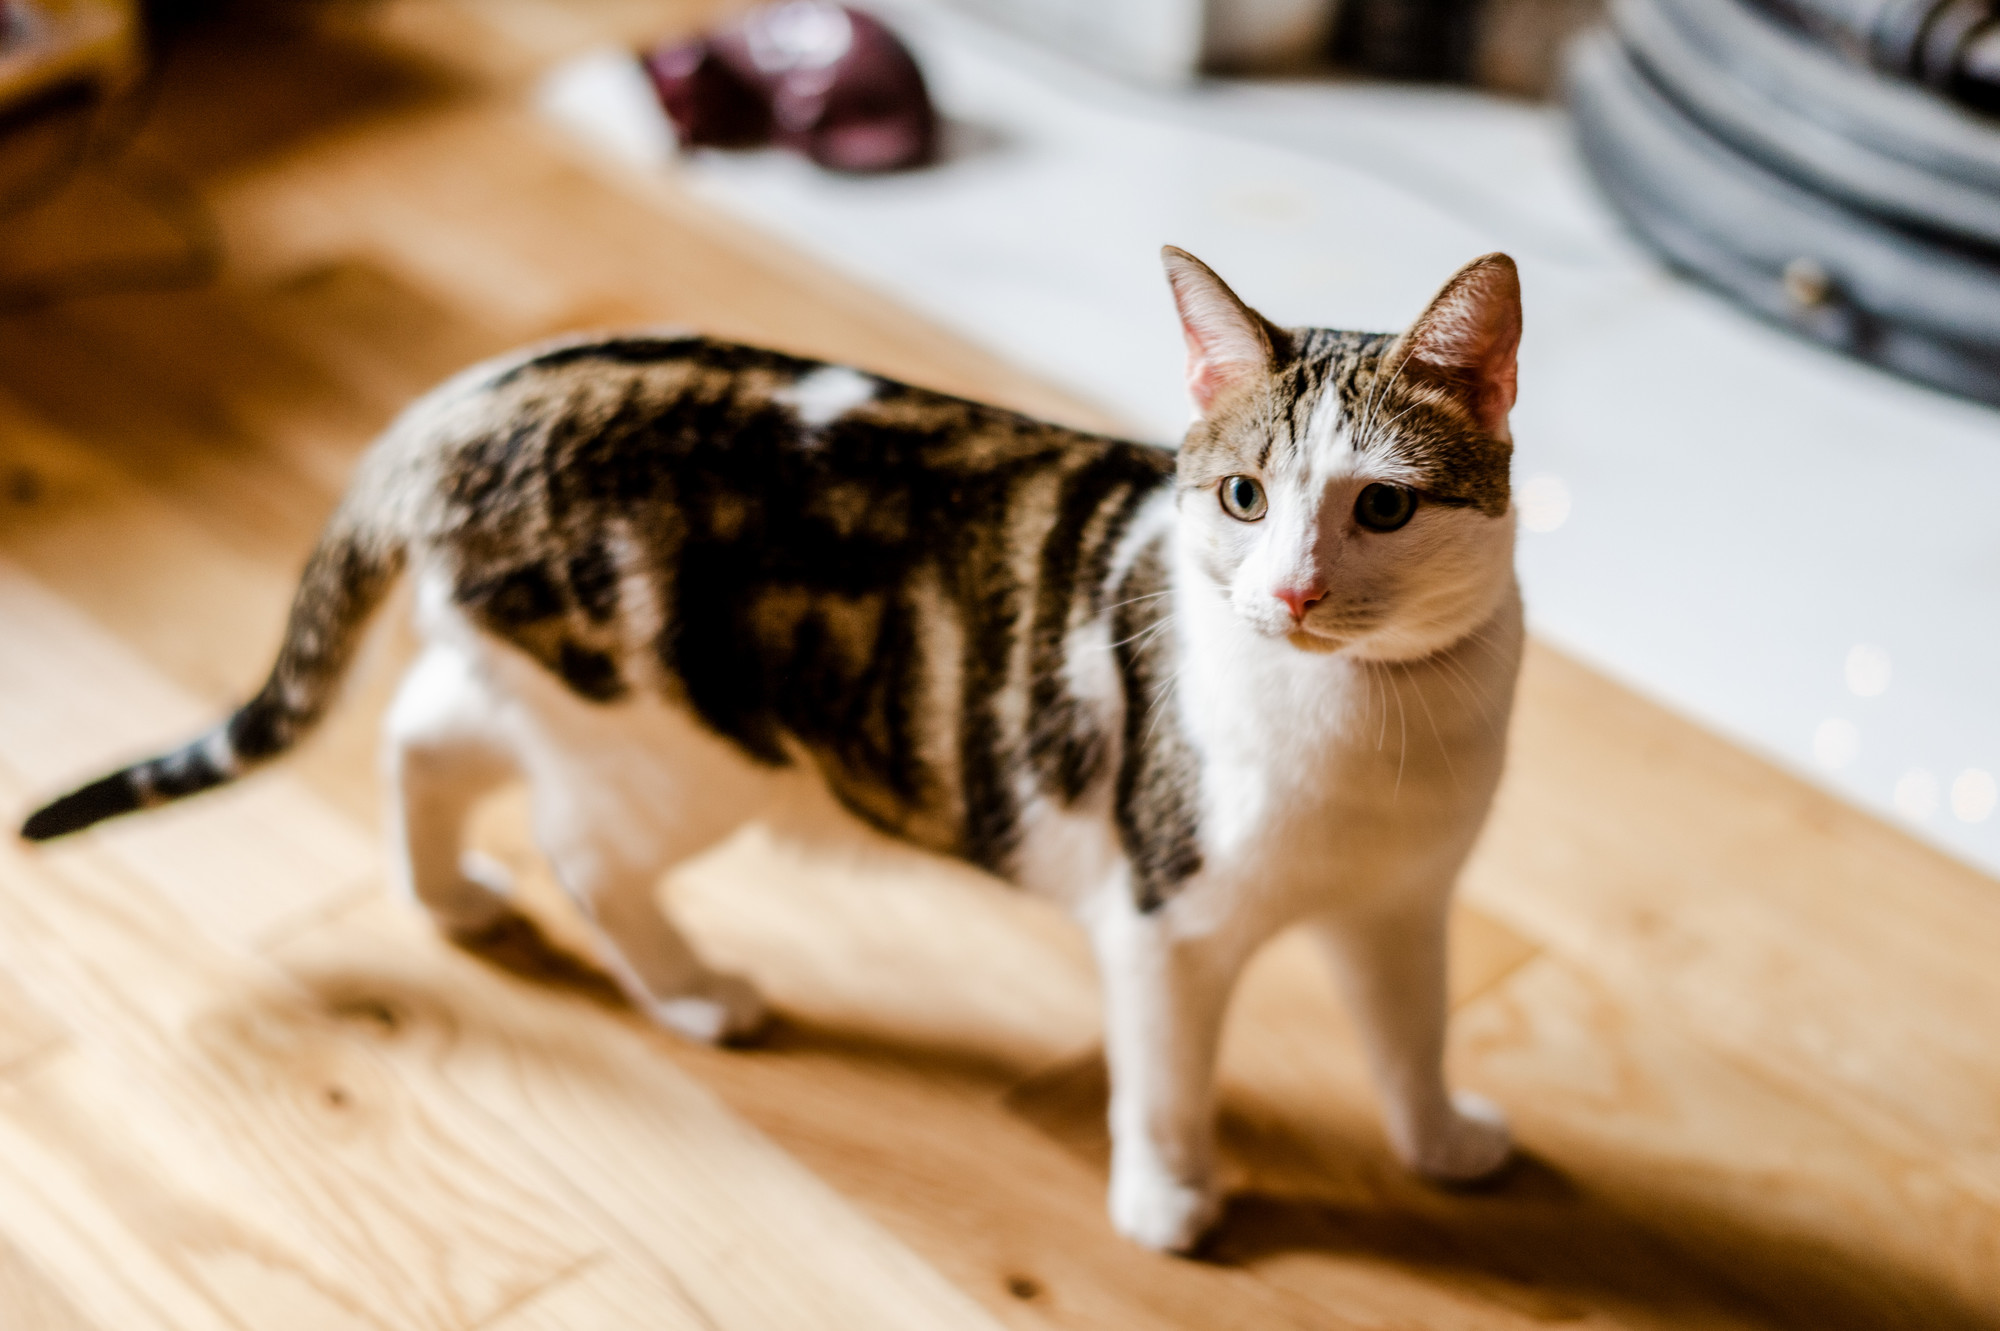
<point>1471,334</point>
<point>1225,340</point>
<point>1224,348</point>
<point>1207,378</point>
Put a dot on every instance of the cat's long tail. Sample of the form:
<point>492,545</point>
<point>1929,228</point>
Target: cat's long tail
<point>350,571</point>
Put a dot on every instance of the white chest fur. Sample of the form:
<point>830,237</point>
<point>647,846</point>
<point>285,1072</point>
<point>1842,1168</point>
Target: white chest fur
<point>1327,779</point>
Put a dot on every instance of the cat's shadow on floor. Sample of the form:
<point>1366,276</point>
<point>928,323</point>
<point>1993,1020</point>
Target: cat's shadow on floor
<point>1536,1241</point>
<point>518,944</point>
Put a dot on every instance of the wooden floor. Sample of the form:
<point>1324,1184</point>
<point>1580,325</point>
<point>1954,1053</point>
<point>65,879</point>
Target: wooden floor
<point>1751,1038</point>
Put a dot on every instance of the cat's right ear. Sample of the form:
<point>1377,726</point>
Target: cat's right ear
<point>1228,343</point>
<point>1468,337</point>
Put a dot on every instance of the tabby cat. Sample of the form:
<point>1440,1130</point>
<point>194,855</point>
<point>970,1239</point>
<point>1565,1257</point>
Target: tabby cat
<point>680,584</point>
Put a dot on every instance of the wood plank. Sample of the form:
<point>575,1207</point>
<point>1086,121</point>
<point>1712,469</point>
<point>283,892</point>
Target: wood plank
<point>1645,1222</point>
<point>270,1153</point>
<point>70,692</point>
<point>34,1301</point>
<point>673,1179</point>
<point>172,586</point>
<point>151,1239</point>
<point>28,1031</point>
<point>1666,1186</point>
<point>435,205</point>
<point>1821,947</point>
<point>248,1092</point>
<point>75,1250</point>
<point>996,1172</point>
<point>123,556</point>
<point>1814,1219</point>
<point>903,950</point>
<point>607,1295</point>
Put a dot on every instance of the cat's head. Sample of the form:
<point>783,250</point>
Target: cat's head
<point>1348,491</point>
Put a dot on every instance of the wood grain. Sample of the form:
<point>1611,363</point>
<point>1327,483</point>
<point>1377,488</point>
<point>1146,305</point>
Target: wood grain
<point>1746,1032</point>
<point>606,1295</point>
<point>238,1133</point>
<point>746,1235</point>
<point>69,691</point>
<point>1820,947</point>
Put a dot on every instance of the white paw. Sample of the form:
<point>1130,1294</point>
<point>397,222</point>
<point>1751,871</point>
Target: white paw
<point>1472,1144</point>
<point>1156,1210</point>
<point>721,1009</point>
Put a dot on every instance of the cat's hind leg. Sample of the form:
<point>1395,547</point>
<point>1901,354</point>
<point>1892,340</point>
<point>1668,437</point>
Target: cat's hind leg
<point>653,963</point>
<point>1390,964</point>
<point>621,797</point>
<point>441,754</point>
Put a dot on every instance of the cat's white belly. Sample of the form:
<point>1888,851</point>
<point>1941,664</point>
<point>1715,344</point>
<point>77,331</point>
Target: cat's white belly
<point>640,782</point>
<point>648,778</point>
<point>644,782</point>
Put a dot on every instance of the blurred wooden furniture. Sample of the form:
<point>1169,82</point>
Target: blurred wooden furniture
<point>1747,1034</point>
<point>45,44</point>
<point>62,62</point>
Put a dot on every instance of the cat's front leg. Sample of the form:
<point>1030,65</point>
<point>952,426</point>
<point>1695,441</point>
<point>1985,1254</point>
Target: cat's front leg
<point>1164,999</point>
<point>1390,964</point>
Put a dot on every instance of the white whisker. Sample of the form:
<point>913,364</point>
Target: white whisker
<point>1444,750</point>
<point>1392,422</point>
<point>1403,729</point>
<point>1153,709</point>
<point>1149,630</point>
<point>1376,685</point>
<point>1367,436</point>
<point>1479,699</point>
<point>1134,600</point>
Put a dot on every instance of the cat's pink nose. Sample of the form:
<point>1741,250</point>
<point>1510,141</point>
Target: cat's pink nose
<point>1299,600</point>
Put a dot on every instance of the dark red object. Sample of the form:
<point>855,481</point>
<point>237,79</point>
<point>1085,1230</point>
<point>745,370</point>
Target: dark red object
<point>820,79</point>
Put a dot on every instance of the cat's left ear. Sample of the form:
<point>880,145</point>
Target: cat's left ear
<point>1467,339</point>
<point>1228,343</point>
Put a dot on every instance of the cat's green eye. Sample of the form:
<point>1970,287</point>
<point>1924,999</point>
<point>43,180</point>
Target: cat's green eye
<point>1382,507</point>
<point>1243,498</point>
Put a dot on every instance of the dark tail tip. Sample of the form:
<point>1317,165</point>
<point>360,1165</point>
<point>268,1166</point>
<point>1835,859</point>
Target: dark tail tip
<point>104,798</point>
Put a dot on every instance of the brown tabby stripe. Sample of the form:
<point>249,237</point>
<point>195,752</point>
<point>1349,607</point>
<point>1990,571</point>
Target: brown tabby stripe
<point>1426,427</point>
<point>1157,773</point>
<point>787,556</point>
<point>1065,744</point>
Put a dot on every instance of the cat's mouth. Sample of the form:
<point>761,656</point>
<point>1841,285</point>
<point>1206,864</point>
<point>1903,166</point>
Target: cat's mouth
<point>1323,634</point>
<point>1332,632</point>
<point>1308,641</point>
